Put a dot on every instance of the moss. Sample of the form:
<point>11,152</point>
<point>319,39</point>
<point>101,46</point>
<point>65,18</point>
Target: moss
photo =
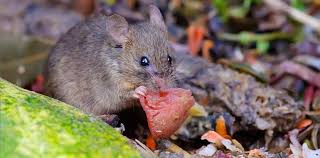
<point>33,125</point>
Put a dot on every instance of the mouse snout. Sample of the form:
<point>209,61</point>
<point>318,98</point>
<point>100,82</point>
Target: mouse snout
<point>153,70</point>
<point>163,83</point>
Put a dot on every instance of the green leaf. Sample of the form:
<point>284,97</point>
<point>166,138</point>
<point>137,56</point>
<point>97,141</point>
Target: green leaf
<point>298,4</point>
<point>111,2</point>
<point>263,46</point>
<point>222,6</point>
<point>238,12</point>
<point>245,38</point>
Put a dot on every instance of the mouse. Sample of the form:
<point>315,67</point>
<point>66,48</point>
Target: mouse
<point>104,64</point>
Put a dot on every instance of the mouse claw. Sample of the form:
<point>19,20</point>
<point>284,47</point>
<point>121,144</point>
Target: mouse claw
<point>140,91</point>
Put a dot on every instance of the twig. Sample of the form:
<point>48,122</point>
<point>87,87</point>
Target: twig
<point>294,13</point>
<point>248,37</point>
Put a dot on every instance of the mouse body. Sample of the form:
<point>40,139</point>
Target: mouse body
<point>103,64</point>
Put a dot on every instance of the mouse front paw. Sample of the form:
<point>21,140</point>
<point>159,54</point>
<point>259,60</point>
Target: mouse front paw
<point>140,91</point>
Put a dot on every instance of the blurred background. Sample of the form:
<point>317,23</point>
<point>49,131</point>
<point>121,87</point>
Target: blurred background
<point>248,35</point>
<point>255,33</point>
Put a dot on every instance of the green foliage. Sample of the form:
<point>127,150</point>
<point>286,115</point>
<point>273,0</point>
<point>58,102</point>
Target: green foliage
<point>225,10</point>
<point>263,46</point>
<point>298,4</point>
<point>111,2</point>
<point>222,6</point>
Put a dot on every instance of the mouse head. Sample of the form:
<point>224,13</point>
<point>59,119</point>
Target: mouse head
<point>145,56</point>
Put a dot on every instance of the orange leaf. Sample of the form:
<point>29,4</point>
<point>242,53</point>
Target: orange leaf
<point>212,137</point>
<point>221,127</point>
<point>151,143</point>
<point>195,37</point>
<point>304,123</point>
<point>207,45</point>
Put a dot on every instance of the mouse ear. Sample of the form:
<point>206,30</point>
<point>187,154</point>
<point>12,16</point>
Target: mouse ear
<point>156,18</point>
<point>118,28</point>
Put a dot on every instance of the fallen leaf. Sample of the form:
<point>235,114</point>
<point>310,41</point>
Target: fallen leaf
<point>221,127</point>
<point>314,136</point>
<point>208,150</point>
<point>195,37</point>
<point>228,144</point>
<point>212,137</point>
<point>198,111</point>
<point>304,123</point>
<point>237,144</point>
<point>289,67</point>
<point>150,142</point>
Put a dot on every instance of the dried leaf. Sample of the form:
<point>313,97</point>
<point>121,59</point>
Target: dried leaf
<point>221,127</point>
<point>195,37</point>
<point>228,144</point>
<point>237,144</point>
<point>212,137</point>
<point>301,71</point>
<point>171,147</point>
<point>314,136</point>
<point>208,150</point>
<point>198,111</point>
<point>304,123</point>
<point>151,143</point>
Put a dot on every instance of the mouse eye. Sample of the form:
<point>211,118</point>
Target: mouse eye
<point>144,61</point>
<point>169,59</point>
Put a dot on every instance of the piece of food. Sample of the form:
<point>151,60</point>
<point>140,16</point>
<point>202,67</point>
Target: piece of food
<point>166,110</point>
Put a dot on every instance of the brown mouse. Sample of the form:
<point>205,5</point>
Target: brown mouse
<point>103,64</point>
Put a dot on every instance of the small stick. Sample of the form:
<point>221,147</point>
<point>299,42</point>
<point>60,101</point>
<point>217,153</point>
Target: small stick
<point>294,13</point>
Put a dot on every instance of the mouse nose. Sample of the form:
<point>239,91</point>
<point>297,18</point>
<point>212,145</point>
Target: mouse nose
<point>153,70</point>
